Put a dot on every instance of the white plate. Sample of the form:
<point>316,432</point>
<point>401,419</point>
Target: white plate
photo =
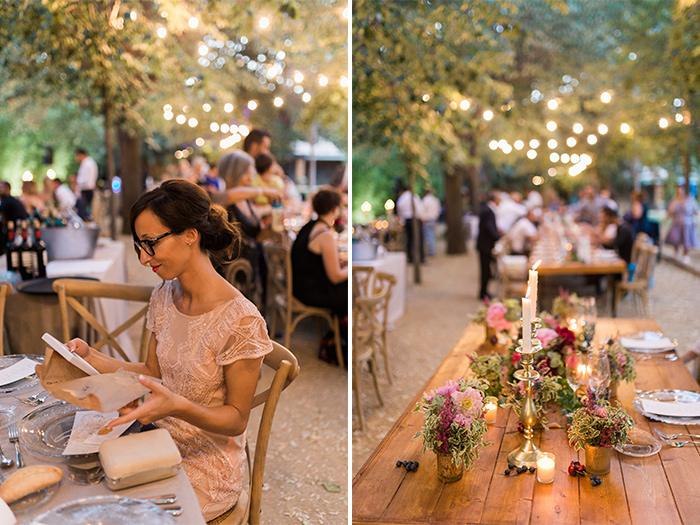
<point>678,396</point>
<point>106,510</point>
<point>648,337</point>
<point>25,382</point>
<point>640,444</point>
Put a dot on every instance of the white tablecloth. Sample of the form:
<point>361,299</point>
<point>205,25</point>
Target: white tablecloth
<point>393,263</point>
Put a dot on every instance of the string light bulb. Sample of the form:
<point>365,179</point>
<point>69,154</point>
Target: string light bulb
<point>578,128</point>
<point>602,129</point>
<point>488,114</point>
<point>264,22</point>
<point>625,128</point>
<point>193,22</point>
<point>252,105</point>
<point>553,104</point>
<point>464,105</point>
<point>278,102</point>
<point>551,125</point>
<point>663,122</point>
<point>605,97</point>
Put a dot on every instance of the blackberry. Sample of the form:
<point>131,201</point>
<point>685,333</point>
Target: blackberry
<point>399,463</point>
<point>511,465</point>
<point>507,472</point>
<point>532,470</point>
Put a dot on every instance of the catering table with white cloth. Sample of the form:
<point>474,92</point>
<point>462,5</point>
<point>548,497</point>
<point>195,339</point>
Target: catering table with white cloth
<point>393,263</point>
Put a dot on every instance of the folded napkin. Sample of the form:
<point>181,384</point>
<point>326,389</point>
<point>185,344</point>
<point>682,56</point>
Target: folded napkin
<point>18,371</point>
<point>646,344</point>
<point>671,408</point>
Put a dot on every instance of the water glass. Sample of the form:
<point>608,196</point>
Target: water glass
<point>577,371</point>
<point>588,317</point>
<point>599,371</point>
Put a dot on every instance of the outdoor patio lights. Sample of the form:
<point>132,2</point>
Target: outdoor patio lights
<point>551,125</point>
<point>663,123</point>
<point>493,145</point>
<point>565,158</point>
<point>27,176</point>
<point>605,97</point>
<point>193,22</point>
<point>554,157</point>
<point>578,128</point>
<point>552,172</point>
<point>228,108</point>
<point>180,119</point>
<point>592,139</point>
<point>162,32</point>
<point>278,102</point>
<point>206,108</point>
<point>224,128</point>
<point>214,126</point>
<point>344,81</point>
<point>534,143</point>
<point>192,122</point>
<point>323,80</point>
<point>679,117</point>
<point>488,114</point>
<point>552,143</point>
<point>264,22</point>
<point>306,97</point>
<point>571,142</point>
<point>298,77</point>
<point>531,154</point>
<point>252,105</point>
<point>203,50</point>
<point>464,105</point>
<point>553,104</point>
<point>602,129</point>
<point>168,115</point>
<point>518,144</point>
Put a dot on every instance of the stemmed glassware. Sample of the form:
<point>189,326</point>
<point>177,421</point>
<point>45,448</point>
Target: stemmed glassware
<point>588,317</point>
<point>577,371</point>
<point>599,371</point>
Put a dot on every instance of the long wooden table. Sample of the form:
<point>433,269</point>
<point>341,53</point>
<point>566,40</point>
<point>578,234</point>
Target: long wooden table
<point>659,489</point>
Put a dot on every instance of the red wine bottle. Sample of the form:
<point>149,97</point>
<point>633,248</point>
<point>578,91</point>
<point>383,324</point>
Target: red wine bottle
<point>40,254</point>
<point>25,255</point>
<point>11,249</point>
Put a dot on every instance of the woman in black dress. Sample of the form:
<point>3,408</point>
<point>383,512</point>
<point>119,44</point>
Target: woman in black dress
<point>318,277</point>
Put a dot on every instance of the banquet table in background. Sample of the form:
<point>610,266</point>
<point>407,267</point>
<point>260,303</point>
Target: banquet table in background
<point>70,491</point>
<point>656,489</point>
<point>393,263</point>
<point>29,315</point>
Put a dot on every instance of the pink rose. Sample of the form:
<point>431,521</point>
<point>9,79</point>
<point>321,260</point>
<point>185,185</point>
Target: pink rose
<point>515,359</point>
<point>622,359</point>
<point>450,386</point>
<point>496,317</point>
<point>463,421</point>
<point>458,397</point>
<point>546,336</point>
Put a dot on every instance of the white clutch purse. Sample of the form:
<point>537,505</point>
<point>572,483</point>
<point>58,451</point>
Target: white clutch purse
<point>139,458</point>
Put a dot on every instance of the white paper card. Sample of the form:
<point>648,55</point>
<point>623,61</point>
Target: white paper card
<point>671,408</point>
<point>18,371</point>
<point>84,438</point>
<point>642,344</point>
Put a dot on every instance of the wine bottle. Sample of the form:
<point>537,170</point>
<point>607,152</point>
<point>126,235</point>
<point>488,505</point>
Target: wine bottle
<point>40,254</point>
<point>11,251</point>
<point>25,255</point>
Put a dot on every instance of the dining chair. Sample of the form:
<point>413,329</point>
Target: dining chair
<point>361,278</point>
<point>287,307</point>
<point>383,282</point>
<point>73,293</point>
<point>241,275</point>
<point>639,286</point>
<point>365,331</point>
<point>249,505</point>
<point>5,290</point>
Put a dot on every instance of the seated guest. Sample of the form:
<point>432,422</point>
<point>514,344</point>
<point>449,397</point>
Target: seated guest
<point>61,195</point>
<point>207,342</point>
<point>11,208</point>
<point>31,198</point>
<point>624,237</point>
<point>318,277</point>
<point>266,177</point>
<point>523,234</point>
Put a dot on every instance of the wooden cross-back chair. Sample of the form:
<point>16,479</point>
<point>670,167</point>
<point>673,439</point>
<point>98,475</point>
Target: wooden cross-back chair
<point>241,275</point>
<point>639,286</point>
<point>383,283</point>
<point>5,290</point>
<point>71,290</point>
<point>248,508</point>
<point>361,278</point>
<point>287,307</point>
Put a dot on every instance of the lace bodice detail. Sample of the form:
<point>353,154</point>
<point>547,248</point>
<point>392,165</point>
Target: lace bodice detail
<point>192,351</point>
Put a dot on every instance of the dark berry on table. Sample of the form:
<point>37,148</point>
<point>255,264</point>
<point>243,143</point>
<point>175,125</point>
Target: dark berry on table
<point>511,465</point>
<point>507,472</point>
<point>521,470</point>
<point>532,470</point>
<point>572,468</point>
<point>399,463</point>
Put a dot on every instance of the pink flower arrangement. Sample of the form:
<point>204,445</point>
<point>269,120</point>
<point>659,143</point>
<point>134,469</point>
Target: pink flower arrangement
<point>546,336</point>
<point>496,317</point>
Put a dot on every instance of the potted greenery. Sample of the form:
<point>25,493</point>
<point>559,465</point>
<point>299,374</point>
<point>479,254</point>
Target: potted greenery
<point>597,427</point>
<point>453,426</point>
<point>621,365</point>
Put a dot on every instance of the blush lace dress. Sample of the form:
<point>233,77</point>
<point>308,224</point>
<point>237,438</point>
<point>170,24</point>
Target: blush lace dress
<point>192,351</point>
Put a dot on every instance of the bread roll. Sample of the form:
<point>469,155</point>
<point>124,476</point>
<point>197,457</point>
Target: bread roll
<point>28,480</point>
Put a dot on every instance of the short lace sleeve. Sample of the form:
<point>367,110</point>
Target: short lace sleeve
<point>248,340</point>
<point>155,305</point>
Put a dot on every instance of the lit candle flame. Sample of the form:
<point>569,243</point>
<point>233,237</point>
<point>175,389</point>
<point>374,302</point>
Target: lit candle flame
<point>536,265</point>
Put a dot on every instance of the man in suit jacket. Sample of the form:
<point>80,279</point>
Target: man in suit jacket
<point>488,235</point>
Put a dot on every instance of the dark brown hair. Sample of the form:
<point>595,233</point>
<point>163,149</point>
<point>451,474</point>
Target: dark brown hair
<point>255,136</point>
<point>325,200</point>
<point>263,163</point>
<point>181,205</point>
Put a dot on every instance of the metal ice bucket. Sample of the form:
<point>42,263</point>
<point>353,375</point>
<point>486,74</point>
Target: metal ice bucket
<point>70,243</point>
<point>364,250</point>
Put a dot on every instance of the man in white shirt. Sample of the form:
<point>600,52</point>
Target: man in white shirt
<point>508,212</point>
<point>524,233</point>
<point>404,209</point>
<point>62,194</point>
<point>431,213</point>
<point>87,176</point>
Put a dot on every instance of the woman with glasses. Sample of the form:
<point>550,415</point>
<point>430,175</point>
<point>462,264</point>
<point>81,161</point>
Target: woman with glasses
<point>207,341</point>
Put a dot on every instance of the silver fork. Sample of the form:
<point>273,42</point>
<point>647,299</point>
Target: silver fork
<point>13,434</point>
<point>678,444</point>
<point>675,436</point>
<point>31,399</point>
<point>41,400</point>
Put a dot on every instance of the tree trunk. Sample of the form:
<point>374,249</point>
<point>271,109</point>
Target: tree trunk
<point>415,229</point>
<point>453,211</point>
<point>473,175</point>
<point>132,183</point>
<point>111,169</point>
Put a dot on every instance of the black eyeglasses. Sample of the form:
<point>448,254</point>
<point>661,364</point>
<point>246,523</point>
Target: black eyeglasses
<point>147,245</point>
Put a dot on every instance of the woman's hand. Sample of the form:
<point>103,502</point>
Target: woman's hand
<point>162,403</point>
<point>79,347</point>
<point>272,193</point>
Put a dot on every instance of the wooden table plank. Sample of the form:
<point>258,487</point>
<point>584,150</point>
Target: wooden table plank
<point>638,490</point>
<point>581,268</point>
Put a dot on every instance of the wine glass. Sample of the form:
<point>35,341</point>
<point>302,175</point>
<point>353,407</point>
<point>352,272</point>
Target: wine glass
<point>577,370</point>
<point>588,317</point>
<point>599,371</point>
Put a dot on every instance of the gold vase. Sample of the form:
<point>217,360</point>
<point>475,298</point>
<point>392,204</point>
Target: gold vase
<point>491,341</point>
<point>598,460</point>
<point>613,390</point>
<point>447,470</point>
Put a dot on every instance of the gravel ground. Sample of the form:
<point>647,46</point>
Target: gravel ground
<point>437,311</point>
<point>306,472</point>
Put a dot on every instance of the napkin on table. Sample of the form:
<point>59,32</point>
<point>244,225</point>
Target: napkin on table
<point>671,408</point>
<point>645,344</point>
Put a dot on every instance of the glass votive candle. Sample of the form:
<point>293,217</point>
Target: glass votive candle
<point>490,409</point>
<point>545,467</point>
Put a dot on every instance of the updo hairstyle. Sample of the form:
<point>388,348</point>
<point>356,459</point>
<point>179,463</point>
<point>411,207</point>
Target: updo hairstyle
<point>233,166</point>
<point>325,200</point>
<point>181,205</point>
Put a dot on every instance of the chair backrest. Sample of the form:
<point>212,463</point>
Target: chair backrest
<point>279,272</point>
<point>69,290</point>
<point>286,370</point>
<point>365,325</point>
<point>240,274</point>
<point>361,278</point>
<point>5,290</point>
<point>646,264</point>
<point>383,282</point>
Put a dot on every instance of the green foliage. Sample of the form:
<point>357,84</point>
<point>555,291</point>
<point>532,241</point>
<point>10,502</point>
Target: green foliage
<point>599,424</point>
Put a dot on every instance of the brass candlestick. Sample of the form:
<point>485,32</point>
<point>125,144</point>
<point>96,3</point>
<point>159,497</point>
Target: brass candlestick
<point>526,454</point>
